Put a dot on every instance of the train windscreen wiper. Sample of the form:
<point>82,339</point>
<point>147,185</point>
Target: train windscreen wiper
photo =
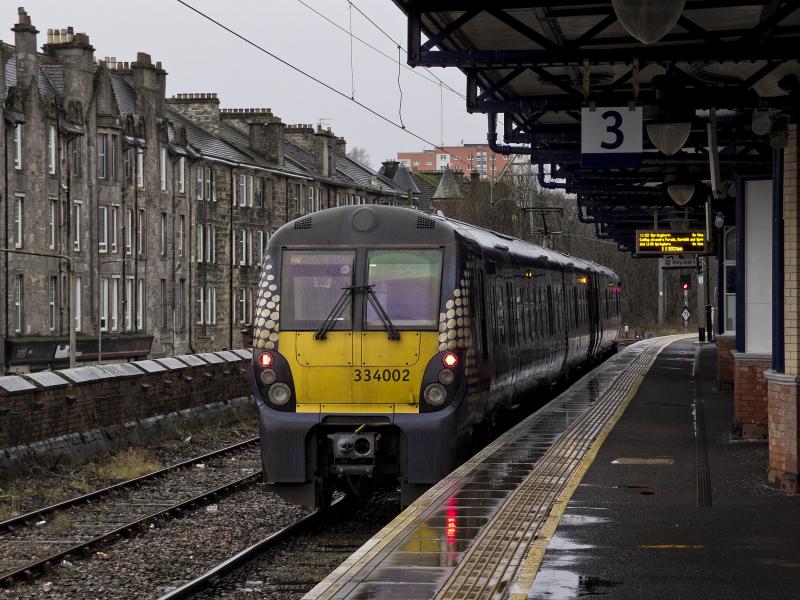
<point>334,313</point>
<point>337,309</point>
<point>376,304</point>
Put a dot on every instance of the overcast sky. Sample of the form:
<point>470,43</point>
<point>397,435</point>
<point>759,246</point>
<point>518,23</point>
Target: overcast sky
<point>201,57</point>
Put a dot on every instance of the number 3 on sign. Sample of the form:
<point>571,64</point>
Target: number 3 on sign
<point>611,137</point>
<point>615,119</point>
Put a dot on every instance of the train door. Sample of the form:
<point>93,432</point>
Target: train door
<point>594,315</point>
<point>481,321</point>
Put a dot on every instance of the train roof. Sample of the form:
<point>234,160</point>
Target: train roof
<point>376,223</point>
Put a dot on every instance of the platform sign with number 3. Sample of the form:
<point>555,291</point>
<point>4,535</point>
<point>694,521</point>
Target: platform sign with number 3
<point>611,137</point>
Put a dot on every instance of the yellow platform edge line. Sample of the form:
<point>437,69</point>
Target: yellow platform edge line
<point>530,567</point>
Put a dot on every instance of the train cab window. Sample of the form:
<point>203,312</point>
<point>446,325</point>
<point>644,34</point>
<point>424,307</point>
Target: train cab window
<point>312,284</point>
<point>407,284</point>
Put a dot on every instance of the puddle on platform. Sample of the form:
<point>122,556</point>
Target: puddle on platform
<point>572,519</point>
<point>561,584</point>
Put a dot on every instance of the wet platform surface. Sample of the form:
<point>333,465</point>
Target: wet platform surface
<point>686,515</point>
<point>444,539</point>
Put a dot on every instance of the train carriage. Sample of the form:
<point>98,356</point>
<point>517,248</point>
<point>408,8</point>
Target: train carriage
<point>384,336</point>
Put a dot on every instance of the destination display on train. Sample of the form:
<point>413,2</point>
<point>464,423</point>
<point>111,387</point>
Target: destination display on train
<point>670,242</point>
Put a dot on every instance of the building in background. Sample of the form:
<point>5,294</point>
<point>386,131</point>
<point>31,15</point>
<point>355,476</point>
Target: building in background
<point>466,158</point>
<point>161,206</point>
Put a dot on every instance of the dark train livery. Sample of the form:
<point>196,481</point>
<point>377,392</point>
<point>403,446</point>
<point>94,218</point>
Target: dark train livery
<point>384,335</point>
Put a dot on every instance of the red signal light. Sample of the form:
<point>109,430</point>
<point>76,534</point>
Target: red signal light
<point>685,286</point>
<point>450,360</point>
<point>265,360</point>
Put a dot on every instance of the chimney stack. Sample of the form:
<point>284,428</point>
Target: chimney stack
<point>25,42</point>
<point>341,146</point>
<point>201,109</point>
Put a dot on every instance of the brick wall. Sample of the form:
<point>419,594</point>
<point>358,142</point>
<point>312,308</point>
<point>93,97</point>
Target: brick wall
<point>726,343</point>
<point>784,435</point>
<point>88,398</point>
<point>750,395</point>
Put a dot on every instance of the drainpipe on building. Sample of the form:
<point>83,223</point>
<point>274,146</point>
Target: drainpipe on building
<point>174,267</point>
<point>135,240</point>
<point>192,263</point>
<point>125,233</point>
<point>5,254</point>
<point>231,314</point>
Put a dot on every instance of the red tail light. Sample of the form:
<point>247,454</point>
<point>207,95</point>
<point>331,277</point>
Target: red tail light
<point>450,360</point>
<point>265,360</point>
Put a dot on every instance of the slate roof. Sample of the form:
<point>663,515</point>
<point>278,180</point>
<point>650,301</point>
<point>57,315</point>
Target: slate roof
<point>124,94</point>
<point>45,78</point>
<point>426,190</point>
<point>402,179</point>
<point>305,160</point>
<point>365,177</point>
<point>448,188</point>
<point>210,145</point>
<point>241,141</point>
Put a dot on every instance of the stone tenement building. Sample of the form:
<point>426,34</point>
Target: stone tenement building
<point>163,206</point>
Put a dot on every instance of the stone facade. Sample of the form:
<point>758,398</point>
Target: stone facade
<point>750,395</point>
<point>162,205</point>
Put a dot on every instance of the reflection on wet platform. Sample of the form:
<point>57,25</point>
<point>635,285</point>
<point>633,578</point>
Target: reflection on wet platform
<point>416,554</point>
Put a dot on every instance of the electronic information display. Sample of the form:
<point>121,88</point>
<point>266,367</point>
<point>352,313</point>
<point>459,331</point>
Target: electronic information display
<point>670,242</point>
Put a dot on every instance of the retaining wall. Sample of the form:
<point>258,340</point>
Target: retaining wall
<point>78,413</point>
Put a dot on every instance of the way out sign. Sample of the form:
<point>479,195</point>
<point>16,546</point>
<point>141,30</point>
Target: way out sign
<point>611,137</point>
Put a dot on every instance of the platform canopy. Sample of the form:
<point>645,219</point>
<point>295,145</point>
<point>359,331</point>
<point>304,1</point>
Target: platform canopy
<point>537,65</point>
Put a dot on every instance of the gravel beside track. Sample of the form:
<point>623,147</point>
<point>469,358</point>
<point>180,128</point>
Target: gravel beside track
<point>147,565</point>
<point>48,484</point>
<point>86,521</point>
<point>294,566</point>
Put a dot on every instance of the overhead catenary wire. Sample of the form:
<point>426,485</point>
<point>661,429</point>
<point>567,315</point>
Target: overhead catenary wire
<point>313,78</point>
<point>391,39</point>
<point>436,80</point>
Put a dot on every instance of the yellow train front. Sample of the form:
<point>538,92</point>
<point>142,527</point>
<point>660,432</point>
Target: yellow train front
<point>347,354</point>
<point>385,336</point>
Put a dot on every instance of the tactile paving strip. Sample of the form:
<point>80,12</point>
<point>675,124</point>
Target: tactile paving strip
<point>490,565</point>
<point>499,500</point>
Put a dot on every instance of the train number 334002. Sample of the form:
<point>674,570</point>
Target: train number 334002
<point>380,374</point>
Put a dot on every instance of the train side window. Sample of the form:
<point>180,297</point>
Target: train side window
<point>480,314</point>
<point>500,314</point>
<point>510,312</point>
<point>550,327</point>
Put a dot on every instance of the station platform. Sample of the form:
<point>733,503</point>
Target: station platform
<point>627,485</point>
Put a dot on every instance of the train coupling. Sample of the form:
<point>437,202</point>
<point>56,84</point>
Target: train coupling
<point>354,453</point>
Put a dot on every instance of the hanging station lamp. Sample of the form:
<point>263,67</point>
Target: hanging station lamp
<point>648,20</point>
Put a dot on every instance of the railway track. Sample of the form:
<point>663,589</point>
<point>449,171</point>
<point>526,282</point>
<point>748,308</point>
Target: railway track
<point>287,563</point>
<point>212,577</point>
<point>99,518</point>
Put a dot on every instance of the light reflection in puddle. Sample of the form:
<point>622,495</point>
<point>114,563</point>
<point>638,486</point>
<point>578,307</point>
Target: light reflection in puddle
<point>573,519</point>
<point>557,584</point>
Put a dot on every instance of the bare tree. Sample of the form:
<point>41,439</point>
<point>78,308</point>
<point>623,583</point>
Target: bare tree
<point>361,155</point>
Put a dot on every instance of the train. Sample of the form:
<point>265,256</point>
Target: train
<point>384,337</point>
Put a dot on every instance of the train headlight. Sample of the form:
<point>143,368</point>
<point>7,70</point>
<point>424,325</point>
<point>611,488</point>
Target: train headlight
<point>268,376</point>
<point>446,377</point>
<point>279,394</point>
<point>435,394</point>
<point>450,359</point>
